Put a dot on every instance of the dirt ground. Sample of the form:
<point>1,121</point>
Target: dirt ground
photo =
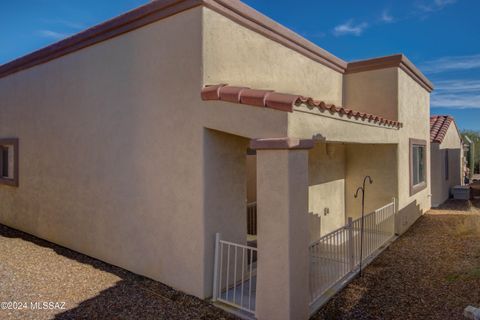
<point>73,286</point>
<point>430,272</point>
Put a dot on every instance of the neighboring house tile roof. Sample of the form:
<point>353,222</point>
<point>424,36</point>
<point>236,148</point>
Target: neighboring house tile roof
<point>439,127</point>
<point>284,102</point>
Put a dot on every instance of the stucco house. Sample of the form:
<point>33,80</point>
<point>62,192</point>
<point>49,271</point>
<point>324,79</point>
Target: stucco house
<point>129,141</point>
<point>447,158</point>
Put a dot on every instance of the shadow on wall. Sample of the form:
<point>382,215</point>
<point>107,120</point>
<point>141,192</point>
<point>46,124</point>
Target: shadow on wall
<point>407,216</point>
<point>326,163</point>
<point>132,297</point>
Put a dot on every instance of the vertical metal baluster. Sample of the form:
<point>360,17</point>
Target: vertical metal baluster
<point>228,271</point>
<point>318,266</point>
<point>332,264</point>
<point>250,282</point>
<point>334,255</point>
<point>372,233</point>
<point>221,271</point>
<point>235,276</point>
<point>339,258</point>
<point>345,252</point>
<point>334,258</point>
<point>329,263</point>
<point>243,270</point>
<point>372,227</point>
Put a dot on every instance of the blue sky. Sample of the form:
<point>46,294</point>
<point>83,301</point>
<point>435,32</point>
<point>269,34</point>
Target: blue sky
<point>442,37</point>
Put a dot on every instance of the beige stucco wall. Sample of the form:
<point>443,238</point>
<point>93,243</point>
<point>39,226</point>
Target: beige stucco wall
<point>237,55</point>
<point>118,160</point>
<point>391,92</point>
<point>282,270</point>
<point>414,112</point>
<point>373,91</point>
<point>115,160</point>
<point>311,123</point>
<point>441,186</point>
<point>326,175</point>
<point>379,161</point>
<point>224,193</point>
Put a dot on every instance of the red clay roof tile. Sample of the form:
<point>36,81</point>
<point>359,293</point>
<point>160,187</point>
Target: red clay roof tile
<point>439,127</point>
<point>283,102</point>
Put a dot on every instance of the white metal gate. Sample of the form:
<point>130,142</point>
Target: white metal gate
<point>235,274</point>
<point>336,255</point>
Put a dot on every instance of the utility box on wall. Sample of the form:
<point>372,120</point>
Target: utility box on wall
<point>461,192</point>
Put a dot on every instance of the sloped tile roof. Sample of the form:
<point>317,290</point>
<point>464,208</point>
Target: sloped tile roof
<point>439,127</point>
<point>284,102</point>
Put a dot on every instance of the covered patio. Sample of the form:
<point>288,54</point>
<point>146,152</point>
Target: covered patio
<point>303,185</point>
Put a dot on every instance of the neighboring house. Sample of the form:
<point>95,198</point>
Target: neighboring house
<point>447,165</point>
<point>123,143</point>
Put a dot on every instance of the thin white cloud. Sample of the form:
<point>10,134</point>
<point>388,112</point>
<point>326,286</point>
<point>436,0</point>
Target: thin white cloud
<point>435,5</point>
<point>446,64</point>
<point>52,34</point>
<point>443,3</point>
<point>463,101</point>
<point>386,17</point>
<point>64,23</point>
<point>458,86</point>
<point>456,93</point>
<point>349,28</point>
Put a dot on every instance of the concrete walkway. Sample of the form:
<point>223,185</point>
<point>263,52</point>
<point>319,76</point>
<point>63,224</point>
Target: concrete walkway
<point>40,280</point>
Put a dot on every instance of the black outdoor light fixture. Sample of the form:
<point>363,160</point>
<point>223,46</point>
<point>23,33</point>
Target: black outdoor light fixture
<point>362,188</point>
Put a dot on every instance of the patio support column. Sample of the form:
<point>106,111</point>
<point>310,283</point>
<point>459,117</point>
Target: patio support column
<point>282,228</point>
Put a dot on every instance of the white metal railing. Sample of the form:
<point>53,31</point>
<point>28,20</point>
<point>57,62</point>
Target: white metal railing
<point>252,218</point>
<point>234,279</point>
<point>336,255</point>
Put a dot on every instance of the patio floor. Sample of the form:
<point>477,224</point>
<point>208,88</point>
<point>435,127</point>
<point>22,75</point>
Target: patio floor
<point>430,272</point>
<point>36,271</point>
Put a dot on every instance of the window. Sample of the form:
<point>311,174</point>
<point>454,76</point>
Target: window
<point>9,162</point>
<point>447,169</point>
<point>418,149</point>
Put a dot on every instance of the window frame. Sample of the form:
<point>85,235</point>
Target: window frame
<point>422,185</point>
<point>10,181</point>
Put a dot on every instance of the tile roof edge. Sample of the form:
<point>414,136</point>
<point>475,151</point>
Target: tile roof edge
<point>440,132</point>
<point>283,102</point>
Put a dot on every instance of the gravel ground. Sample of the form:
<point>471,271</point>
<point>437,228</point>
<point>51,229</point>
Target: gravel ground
<point>34,270</point>
<point>430,272</point>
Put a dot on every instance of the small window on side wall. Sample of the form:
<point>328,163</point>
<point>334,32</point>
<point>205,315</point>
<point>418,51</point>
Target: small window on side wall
<point>418,152</point>
<point>9,162</point>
